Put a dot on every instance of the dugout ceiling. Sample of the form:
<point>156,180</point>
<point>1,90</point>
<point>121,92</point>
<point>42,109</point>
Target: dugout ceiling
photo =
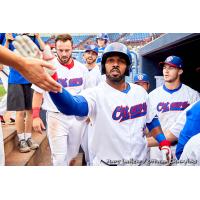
<point>185,45</point>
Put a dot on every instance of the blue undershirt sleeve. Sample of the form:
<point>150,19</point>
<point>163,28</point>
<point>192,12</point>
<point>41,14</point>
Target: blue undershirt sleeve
<point>70,105</point>
<point>153,124</point>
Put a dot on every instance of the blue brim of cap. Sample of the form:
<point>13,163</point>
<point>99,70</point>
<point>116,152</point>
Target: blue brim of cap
<point>91,50</point>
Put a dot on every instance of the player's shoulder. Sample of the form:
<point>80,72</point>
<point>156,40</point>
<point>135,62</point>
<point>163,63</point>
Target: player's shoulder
<point>93,91</point>
<point>79,64</point>
<point>156,91</point>
<point>137,88</point>
<point>188,88</point>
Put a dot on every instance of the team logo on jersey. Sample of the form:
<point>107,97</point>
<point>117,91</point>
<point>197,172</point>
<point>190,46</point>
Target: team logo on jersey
<point>174,106</point>
<point>63,82</point>
<point>123,113</point>
<point>75,82</point>
<point>71,83</point>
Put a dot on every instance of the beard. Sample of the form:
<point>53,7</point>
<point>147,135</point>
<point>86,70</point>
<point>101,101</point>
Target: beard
<point>91,61</point>
<point>113,79</point>
<point>64,59</point>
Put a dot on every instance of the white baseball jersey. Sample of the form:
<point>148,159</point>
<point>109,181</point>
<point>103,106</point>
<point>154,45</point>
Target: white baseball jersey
<point>168,106</point>
<point>65,132</point>
<point>178,125</point>
<point>118,121</point>
<point>94,77</point>
<point>74,80</point>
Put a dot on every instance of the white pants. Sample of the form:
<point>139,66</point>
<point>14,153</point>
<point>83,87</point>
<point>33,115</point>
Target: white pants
<point>64,134</point>
<point>2,155</point>
<point>86,140</point>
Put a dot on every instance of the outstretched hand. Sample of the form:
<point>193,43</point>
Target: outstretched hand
<point>35,67</point>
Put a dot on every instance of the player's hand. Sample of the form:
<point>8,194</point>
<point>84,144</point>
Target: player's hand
<point>9,37</point>
<point>1,67</point>
<point>37,35</point>
<point>35,70</point>
<point>35,73</point>
<point>166,152</point>
<point>27,48</point>
<point>38,125</point>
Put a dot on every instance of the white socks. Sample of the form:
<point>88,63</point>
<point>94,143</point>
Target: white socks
<point>20,136</point>
<point>24,136</point>
<point>27,135</point>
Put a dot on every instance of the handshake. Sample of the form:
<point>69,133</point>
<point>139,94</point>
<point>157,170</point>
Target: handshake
<point>25,47</point>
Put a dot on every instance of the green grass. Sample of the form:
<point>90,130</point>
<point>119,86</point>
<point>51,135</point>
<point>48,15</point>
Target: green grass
<point>2,91</point>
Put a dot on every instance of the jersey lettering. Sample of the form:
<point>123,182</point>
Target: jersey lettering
<point>75,82</point>
<point>174,106</point>
<point>123,113</point>
<point>63,82</point>
<point>72,82</point>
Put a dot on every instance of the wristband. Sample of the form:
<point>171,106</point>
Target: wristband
<point>36,112</point>
<point>164,143</point>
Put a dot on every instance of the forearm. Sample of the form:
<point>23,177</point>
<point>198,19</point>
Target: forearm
<point>169,136</point>
<point>41,43</point>
<point>152,142</point>
<point>37,99</point>
<point>9,58</point>
<point>70,105</point>
<point>158,138</point>
<point>6,44</point>
<point>36,104</point>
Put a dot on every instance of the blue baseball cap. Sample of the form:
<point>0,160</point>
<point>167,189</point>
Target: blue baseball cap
<point>173,61</point>
<point>141,78</point>
<point>103,36</point>
<point>92,48</point>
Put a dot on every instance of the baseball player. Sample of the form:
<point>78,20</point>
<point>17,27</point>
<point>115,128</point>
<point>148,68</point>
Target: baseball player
<point>90,56</point>
<point>64,132</point>
<point>185,127</point>
<point>118,111</point>
<point>102,40</point>
<point>142,80</point>
<point>169,100</point>
<point>95,77</point>
<point>32,69</point>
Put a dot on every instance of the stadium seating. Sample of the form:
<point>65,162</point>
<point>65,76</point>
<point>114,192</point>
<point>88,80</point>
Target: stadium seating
<point>136,36</point>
